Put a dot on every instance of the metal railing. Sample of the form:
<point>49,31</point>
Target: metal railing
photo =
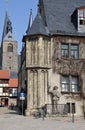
<point>59,109</point>
<point>51,109</point>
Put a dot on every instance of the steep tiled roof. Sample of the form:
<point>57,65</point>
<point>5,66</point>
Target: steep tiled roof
<point>37,27</point>
<point>30,21</point>
<point>13,82</point>
<point>58,15</point>
<point>7,30</point>
<point>5,25</point>
<point>4,74</point>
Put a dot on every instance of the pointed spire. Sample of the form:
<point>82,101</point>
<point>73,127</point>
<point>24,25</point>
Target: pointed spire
<point>6,5</point>
<point>30,21</point>
<point>38,10</point>
<point>7,25</point>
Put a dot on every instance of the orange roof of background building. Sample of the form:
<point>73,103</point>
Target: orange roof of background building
<point>4,74</point>
<point>13,82</point>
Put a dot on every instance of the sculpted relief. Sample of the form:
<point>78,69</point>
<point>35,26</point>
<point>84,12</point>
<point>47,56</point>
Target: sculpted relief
<point>69,66</point>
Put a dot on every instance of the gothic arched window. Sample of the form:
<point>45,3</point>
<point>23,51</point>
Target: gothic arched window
<point>10,47</point>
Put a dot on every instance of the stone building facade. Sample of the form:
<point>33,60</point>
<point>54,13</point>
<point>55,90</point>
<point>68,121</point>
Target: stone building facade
<point>53,58</point>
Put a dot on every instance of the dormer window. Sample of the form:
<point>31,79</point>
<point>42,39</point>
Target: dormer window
<point>78,19</point>
<point>82,16</point>
<point>81,19</point>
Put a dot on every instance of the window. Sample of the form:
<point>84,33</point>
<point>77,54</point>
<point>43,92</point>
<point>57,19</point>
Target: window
<point>74,51</point>
<point>10,47</point>
<point>69,84</point>
<point>10,50</point>
<point>10,91</point>
<point>73,107</point>
<point>82,21</point>
<point>74,84</point>
<point>65,84</point>
<point>5,90</point>
<point>13,91</point>
<point>9,36</point>
<point>64,50</point>
<point>70,107</point>
<point>69,50</point>
<point>82,16</point>
<point>81,13</point>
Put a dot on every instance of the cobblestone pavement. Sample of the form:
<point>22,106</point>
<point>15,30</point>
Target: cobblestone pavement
<point>11,120</point>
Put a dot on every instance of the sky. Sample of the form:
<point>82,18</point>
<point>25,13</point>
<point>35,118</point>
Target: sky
<point>18,11</point>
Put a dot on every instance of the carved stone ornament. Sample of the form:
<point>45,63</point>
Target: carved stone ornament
<point>69,66</point>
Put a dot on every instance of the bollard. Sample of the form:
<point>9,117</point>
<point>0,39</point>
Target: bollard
<point>72,117</point>
<point>43,114</point>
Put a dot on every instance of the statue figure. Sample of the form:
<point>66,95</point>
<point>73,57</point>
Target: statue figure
<point>55,97</point>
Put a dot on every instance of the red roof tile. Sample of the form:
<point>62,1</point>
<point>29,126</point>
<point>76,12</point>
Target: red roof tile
<point>4,74</point>
<point>13,82</point>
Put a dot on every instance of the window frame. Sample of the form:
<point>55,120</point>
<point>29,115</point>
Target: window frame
<point>10,48</point>
<point>64,85</point>
<point>70,87</point>
<point>75,84</point>
<point>5,89</point>
<point>70,50</point>
<point>65,50</point>
<point>76,51</point>
<point>71,107</point>
<point>82,16</point>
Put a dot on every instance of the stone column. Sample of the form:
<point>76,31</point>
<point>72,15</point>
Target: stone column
<point>49,53</point>
<point>27,112</point>
<point>39,88</point>
<point>31,87</point>
<point>35,89</point>
<point>42,87</point>
<point>46,79</point>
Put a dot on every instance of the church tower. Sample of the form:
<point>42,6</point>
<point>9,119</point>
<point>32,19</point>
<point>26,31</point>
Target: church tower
<point>9,51</point>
